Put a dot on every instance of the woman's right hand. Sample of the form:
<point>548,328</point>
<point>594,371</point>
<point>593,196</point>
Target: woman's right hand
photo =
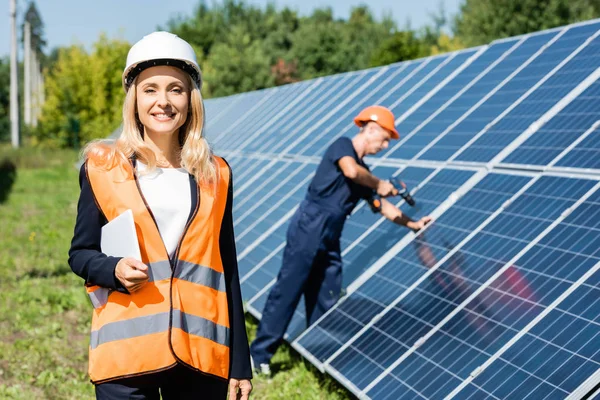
<point>132,274</point>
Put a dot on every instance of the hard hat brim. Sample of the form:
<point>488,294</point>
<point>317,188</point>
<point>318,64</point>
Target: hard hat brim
<point>133,71</point>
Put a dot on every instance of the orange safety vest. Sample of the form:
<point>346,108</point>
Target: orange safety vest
<point>180,314</point>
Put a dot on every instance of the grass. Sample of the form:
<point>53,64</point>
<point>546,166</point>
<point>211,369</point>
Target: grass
<point>44,311</point>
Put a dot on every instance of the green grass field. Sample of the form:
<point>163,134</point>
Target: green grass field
<point>44,311</point>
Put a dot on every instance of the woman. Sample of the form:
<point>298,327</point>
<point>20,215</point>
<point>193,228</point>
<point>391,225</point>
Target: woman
<point>173,321</point>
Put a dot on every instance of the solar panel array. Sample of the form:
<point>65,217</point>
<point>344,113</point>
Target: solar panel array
<point>499,297</point>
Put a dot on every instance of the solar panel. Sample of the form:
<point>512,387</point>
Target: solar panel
<point>498,296</point>
<point>432,118</point>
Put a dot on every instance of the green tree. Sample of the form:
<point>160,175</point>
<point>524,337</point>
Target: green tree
<point>481,21</point>
<point>4,99</point>
<point>400,46</point>
<point>320,46</point>
<point>83,94</point>
<point>38,40</point>
<point>238,65</point>
<point>364,34</point>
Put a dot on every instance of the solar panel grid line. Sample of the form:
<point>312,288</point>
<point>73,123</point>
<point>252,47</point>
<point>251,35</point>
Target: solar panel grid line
<point>486,97</point>
<point>430,78</point>
<point>337,105</point>
<point>260,198</point>
<point>280,247</point>
<point>334,104</point>
<point>440,85</point>
<point>315,99</point>
<point>384,260</point>
<point>372,270</point>
<point>222,136</point>
<point>514,104</point>
<point>482,287</point>
<point>432,269</point>
<point>275,206</point>
<point>382,219</point>
<point>258,161</point>
<point>267,233</point>
<point>249,195</point>
<point>401,83</point>
<point>588,389</point>
<point>261,263</point>
<point>257,201</point>
<point>361,205</point>
<point>250,128</point>
<point>222,111</point>
<point>453,98</point>
<point>525,330</point>
<point>394,162</point>
<point>556,108</point>
<point>577,141</point>
<point>293,115</point>
<point>274,118</point>
<point>313,126</point>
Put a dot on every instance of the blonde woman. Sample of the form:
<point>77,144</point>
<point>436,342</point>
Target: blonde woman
<point>172,323</point>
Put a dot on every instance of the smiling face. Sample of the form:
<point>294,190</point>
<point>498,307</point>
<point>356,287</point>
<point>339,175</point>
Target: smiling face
<point>163,99</point>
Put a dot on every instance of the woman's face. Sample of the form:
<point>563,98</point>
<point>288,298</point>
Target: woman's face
<point>163,98</point>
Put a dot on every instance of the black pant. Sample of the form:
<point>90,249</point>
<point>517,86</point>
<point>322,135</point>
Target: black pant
<point>177,383</point>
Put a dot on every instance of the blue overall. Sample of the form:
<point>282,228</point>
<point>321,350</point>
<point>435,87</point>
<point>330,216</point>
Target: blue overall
<point>312,262</point>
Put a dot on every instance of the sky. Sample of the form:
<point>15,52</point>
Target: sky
<point>81,21</point>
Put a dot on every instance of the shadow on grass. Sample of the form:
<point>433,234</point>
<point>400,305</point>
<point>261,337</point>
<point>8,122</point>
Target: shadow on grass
<point>8,175</point>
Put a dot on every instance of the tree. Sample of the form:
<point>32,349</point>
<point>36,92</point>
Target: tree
<point>446,44</point>
<point>4,99</point>
<point>400,46</point>
<point>238,65</point>
<point>38,41</point>
<point>84,95</point>
<point>482,21</point>
<point>364,34</point>
<point>320,46</point>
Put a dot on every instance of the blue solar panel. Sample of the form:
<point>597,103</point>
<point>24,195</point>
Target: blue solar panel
<point>266,216</point>
<point>419,130</point>
<point>317,98</point>
<point>560,351</point>
<point>255,204</point>
<point>269,257</point>
<point>391,78</point>
<point>585,154</point>
<point>405,268</point>
<point>222,126</point>
<point>496,298</point>
<point>371,247</point>
<point>562,130</point>
<point>483,113</point>
<point>544,97</point>
<point>436,367</point>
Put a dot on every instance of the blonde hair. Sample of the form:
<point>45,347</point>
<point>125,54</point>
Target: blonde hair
<point>195,155</point>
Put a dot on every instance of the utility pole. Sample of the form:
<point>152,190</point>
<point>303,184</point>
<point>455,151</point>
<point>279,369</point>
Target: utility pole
<point>14,98</point>
<point>27,71</point>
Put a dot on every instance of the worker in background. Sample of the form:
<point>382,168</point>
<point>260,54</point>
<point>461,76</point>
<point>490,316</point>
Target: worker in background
<point>312,263</point>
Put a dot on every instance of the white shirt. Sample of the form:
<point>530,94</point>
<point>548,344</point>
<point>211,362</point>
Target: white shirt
<point>167,192</point>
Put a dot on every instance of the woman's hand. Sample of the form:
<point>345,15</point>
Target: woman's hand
<point>133,274</point>
<point>239,389</point>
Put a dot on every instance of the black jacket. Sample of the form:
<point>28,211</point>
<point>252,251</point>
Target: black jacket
<point>87,261</point>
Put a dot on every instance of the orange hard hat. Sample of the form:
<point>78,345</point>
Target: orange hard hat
<point>380,115</point>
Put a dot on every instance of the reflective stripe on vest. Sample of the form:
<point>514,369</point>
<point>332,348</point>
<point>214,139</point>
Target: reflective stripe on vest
<point>187,271</point>
<point>181,313</point>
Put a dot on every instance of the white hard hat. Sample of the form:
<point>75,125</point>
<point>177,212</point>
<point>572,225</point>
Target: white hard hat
<point>161,48</point>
